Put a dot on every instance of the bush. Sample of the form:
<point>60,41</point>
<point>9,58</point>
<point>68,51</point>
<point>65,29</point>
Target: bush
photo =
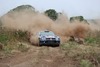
<point>93,38</point>
<point>90,40</point>
<point>23,48</point>
<point>4,38</point>
<point>7,49</point>
<point>85,63</point>
<point>78,52</point>
<point>69,45</point>
<point>21,35</point>
<point>80,18</point>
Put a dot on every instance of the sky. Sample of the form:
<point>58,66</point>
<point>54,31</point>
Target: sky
<point>90,9</point>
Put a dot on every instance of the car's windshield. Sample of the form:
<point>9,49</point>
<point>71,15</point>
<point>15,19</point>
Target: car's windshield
<point>47,33</point>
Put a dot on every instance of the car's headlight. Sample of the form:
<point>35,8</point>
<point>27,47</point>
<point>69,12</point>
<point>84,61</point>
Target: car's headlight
<point>57,38</point>
<point>43,38</point>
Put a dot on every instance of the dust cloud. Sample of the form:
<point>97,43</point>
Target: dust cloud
<point>34,22</point>
<point>95,25</point>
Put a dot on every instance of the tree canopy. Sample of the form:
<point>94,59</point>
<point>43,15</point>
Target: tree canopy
<point>23,7</point>
<point>52,14</point>
<point>80,18</point>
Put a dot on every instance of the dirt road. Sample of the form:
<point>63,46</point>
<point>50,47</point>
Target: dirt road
<point>38,57</point>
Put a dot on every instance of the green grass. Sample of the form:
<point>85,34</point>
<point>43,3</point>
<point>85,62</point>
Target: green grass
<point>85,63</point>
<point>10,39</point>
<point>23,48</point>
<point>7,50</point>
<point>9,35</point>
<point>4,38</point>
<point>21,34</point>
<point>93,39</point>
<point>79,52</point>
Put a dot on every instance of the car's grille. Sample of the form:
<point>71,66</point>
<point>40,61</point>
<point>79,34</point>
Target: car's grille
<point>50,39</point>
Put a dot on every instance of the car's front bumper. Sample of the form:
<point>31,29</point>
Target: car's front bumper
<point>49,42</point>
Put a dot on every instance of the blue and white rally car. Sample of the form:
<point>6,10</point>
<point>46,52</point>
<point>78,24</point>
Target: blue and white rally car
<point>48,38</point>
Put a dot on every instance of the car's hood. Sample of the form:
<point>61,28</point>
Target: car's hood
<point>49,36</point>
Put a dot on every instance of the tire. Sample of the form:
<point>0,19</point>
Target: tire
<point>57,45</point>
<point>40,44</point>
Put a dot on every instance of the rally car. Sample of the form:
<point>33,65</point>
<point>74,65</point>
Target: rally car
<point>48,38</point>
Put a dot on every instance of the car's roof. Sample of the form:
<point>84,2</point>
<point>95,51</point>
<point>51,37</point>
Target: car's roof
<point>46,32</point>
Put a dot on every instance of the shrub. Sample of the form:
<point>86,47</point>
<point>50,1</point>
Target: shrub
<point>78,52</point>
<point>85,63</point>
<point>4,38</point>
<point>23,48</point>
<point>80,18</point>
<point>90,40</point>
<point>93,38</point>
<point>6,51</point>
<point>21,35</point>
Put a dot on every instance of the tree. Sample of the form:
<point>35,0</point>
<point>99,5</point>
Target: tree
<point>22,8</point>
<point>80,18</point>
<point>52,14</point>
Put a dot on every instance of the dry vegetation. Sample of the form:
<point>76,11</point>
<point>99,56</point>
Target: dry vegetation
<point>82,55</point>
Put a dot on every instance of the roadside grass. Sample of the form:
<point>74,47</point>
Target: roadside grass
<point>86,55</point>
<point>85,63</point>
<point>82,52</point>
<point>93,39</point>
<point>12,40</point>
<point>22,47</point>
